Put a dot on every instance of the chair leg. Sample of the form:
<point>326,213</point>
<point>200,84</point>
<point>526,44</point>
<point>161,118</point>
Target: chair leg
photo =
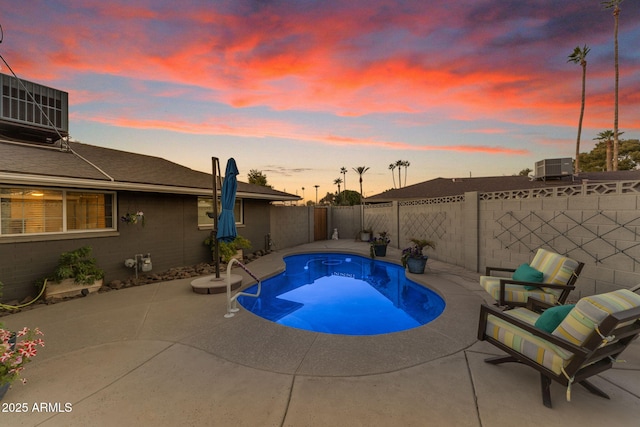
<point>593,389</point>
<point>545,383</point>
<point>500,359</point>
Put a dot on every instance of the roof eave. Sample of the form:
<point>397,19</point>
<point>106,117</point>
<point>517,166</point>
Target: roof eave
<point>56,181</point>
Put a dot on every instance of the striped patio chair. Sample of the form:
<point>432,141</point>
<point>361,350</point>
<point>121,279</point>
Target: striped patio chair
<point>566,344</point>
<point>550,278</point>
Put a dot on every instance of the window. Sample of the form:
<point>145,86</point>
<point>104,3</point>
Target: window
<point>205,205</point>
<point>89,211</point>
<point>42,211</point>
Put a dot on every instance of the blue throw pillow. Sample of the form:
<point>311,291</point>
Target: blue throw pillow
<point>525,273</point>
<point>552,317</point>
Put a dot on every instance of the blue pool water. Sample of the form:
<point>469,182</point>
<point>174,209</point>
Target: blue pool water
<point>343,294</point>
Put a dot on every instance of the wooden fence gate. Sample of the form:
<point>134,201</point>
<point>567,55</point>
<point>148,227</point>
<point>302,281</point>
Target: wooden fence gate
<point>320,224</point>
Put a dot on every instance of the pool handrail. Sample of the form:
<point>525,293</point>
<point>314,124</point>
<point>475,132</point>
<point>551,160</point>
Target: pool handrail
<point>231,310</point>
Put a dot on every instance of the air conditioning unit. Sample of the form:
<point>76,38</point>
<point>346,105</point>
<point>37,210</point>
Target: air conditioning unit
<point>32,111</point>
<point>554,168</point>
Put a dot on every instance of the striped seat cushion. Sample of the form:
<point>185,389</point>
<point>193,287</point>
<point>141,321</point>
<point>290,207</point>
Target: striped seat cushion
<point>591,311</point>
<point>515,293</point>
<point>556,269</point>
<point>535,348</point>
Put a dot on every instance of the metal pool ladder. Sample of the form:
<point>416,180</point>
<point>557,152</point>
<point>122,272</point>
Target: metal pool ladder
<point>232,305</point>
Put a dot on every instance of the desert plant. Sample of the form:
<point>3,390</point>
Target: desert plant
<point>415,250</point>
<point>228,250</point>
<point>79,266</point>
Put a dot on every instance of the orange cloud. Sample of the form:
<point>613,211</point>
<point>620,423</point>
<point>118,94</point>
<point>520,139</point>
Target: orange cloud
<point>256,129</point>
<point>379,57</point>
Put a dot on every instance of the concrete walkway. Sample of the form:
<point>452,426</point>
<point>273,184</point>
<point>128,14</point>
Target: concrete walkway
<point>162,355</point>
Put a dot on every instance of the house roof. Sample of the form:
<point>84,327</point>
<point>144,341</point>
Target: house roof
<point>90,166</point>
<point>443,187</point>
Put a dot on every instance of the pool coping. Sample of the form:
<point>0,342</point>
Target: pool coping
<point>295,351</point>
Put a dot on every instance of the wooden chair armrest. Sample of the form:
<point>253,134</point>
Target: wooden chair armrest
<point>534,284</point>
<point>537,305</point>
<point>503,282</point>
<point>488,270</point>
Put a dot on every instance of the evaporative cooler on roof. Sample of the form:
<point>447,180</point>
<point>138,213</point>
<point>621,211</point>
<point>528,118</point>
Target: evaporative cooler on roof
<point>30,111</point>
<point>554,168</point>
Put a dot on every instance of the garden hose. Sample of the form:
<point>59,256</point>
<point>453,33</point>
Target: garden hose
<point>13,307</point>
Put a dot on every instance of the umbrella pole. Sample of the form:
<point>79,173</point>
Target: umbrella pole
<point>214,235</point>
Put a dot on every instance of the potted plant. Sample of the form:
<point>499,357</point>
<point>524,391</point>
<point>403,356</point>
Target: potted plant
<point>413,258</point>
<point>227,251</point>
<point>379,244</point>
<point>133,218</point>
<point>16,350</point>
<point>76,273</point>
<point>365,234</point>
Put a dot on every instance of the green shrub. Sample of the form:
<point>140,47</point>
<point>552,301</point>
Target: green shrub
<point>228,250</point>
<point>78,265</point>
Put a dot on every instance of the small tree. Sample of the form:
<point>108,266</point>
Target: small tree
<point>525,172</point>
<point>258,178</point>
<point>349,198</point>
<point>597,159</point>
<point>606,136</point>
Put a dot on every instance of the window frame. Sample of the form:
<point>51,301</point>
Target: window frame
<point>64,193</point>
<point>209,224</point>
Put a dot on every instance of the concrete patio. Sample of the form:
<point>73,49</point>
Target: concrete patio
<point>161,354</point>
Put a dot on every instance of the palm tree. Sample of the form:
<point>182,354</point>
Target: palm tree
<point>399,164</point>
<point>606,136</point>
<point>392,166</point>
<point>615,4</point>
<point>360,170</point>
<point>337,182</point>
<point>343,171</point>
<point>579,57</point>
<point>406,165</point>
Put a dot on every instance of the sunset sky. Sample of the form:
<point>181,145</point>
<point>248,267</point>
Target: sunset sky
<point>298,89</point>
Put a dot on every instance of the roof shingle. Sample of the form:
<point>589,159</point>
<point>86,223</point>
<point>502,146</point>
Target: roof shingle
<point>90,162</point>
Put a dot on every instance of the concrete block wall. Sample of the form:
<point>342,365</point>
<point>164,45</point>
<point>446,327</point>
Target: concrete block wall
<point>347,219</point>
<point>440,222</point>
<point>505,229</point>
<point>290,226</point>
<point>379,218</point>
<point>603,231</point>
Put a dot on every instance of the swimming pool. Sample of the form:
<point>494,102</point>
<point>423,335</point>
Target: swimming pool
<point>343,294</point>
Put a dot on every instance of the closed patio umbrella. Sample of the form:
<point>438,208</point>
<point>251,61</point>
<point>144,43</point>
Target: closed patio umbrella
<point>226,221</point>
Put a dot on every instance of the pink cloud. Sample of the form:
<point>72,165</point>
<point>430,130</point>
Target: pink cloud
<point>256,129</point>
<point>379,57</point>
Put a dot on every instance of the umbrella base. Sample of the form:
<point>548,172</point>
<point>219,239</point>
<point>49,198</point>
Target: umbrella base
<point>211,285</point>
